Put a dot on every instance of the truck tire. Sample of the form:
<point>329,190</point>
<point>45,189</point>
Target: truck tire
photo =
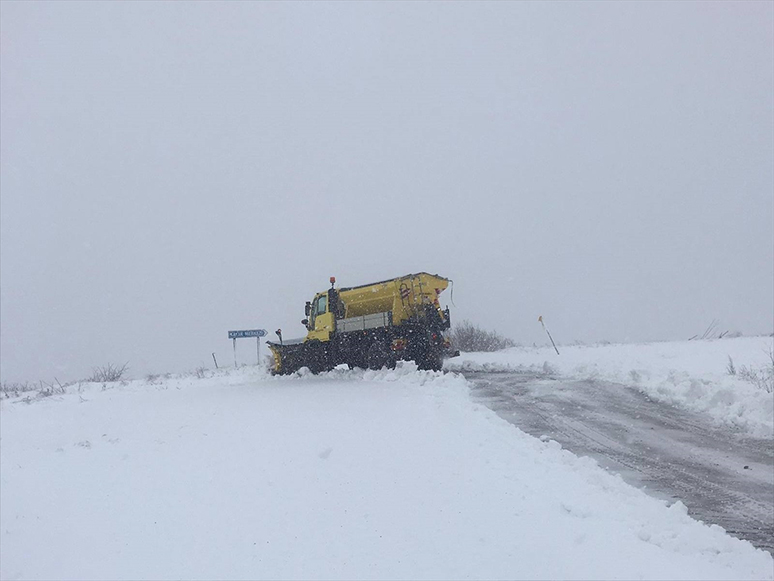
<point>431,362</point>
<point>379,356</point>
<point>316,357</point>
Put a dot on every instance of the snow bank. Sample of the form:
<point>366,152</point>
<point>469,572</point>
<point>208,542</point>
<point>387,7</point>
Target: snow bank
<point>351,474</point>
<point>692,374</point>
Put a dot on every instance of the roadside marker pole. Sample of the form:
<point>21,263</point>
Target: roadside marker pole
<point>235,361</point>
<point>258,350</point>
<point>215,360</point>
<point>540,318</point>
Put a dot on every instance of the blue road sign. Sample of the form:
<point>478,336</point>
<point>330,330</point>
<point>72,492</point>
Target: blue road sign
<point>248,333</point>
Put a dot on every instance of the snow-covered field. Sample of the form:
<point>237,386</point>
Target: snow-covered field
<point>352,474</point>
<point>692,374</point>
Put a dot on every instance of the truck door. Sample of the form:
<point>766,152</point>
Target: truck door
<point>321,321</point>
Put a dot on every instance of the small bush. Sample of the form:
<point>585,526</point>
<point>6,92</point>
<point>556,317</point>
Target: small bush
<point>712,332</point>
<point>761,377</point>
<point>469,337</point>
<point>108,373</point>
<point>730,367</point>
<point>46,389</point>
<point>43,388</point>
<point>13,389</point>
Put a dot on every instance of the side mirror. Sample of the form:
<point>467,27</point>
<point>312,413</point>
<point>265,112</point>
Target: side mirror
<point>305,322</point>
<point>308,308</point>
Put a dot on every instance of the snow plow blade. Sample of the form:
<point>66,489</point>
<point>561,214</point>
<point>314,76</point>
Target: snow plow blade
<point>288,357</point>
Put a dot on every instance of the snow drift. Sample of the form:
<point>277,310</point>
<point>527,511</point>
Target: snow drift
<point>351,474</point>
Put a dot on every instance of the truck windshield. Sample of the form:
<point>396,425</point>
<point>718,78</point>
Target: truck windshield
<point>322,303</point>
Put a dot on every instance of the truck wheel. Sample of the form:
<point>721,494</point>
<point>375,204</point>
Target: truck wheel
<point>430,362</point>
<point>378,356</point>
<point>316,357</point>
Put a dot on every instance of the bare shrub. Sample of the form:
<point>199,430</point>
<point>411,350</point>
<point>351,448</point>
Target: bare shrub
<point>466,336</point>
<point>43,388</point>
<point>730,367</point>
<point>712,332</point>
<point>13,389</point>
<point>108,373</point>
<point>761,377</point>
<point>200,372</point>
<point>46,389</point>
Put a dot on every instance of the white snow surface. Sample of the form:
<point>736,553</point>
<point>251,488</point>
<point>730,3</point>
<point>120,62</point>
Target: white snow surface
<point>691,374</point>
<point>351,474</point>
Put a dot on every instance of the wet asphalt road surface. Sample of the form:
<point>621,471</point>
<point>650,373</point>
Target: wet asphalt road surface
<point>723,477</point>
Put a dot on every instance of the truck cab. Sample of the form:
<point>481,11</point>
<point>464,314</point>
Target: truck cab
<point>320,321</point>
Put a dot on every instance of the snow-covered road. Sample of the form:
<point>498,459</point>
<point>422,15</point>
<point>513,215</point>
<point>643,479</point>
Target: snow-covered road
<point>347,475</point>
<point>723,478</point>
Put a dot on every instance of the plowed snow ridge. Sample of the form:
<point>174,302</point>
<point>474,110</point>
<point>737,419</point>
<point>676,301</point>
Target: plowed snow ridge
<point>691,374</point>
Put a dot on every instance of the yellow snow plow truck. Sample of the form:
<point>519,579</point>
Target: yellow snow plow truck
<point>370,326</point>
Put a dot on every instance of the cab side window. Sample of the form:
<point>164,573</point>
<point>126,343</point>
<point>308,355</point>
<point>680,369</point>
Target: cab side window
<point>312,314</point>
<point>322,304</point>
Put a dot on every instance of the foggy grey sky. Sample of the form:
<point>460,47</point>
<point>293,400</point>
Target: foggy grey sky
<point>169,171</point>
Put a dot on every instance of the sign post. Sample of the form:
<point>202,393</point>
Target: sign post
<point>257,333</point>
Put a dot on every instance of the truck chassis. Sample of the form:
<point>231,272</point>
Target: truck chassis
<point>367,347</point>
